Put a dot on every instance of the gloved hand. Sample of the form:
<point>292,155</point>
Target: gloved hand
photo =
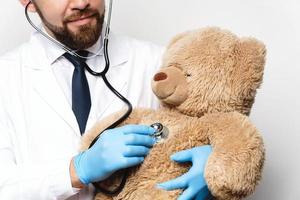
<point>193,181</point>
<point>116,149</point>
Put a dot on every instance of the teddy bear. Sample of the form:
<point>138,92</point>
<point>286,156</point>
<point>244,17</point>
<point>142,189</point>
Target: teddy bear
<point>206,86</point>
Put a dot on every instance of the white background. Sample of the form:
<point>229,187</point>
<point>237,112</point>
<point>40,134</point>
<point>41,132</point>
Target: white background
<point>275,22</point>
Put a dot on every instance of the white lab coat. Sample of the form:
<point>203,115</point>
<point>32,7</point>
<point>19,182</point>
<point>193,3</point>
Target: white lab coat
<point>38,130</point>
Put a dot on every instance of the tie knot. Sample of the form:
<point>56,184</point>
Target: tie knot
<point>75,60</point>
<point>83,54</point>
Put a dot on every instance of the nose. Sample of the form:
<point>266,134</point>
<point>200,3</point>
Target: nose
<point>160,76</point>
<point>80,4</point>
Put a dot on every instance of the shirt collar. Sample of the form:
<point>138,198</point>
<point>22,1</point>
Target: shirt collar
<point>119,48</point>
<point>54,52</point>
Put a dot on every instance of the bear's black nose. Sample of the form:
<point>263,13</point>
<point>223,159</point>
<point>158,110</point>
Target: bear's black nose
<point>160,76</point>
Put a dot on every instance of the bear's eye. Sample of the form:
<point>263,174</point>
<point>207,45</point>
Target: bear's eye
<point>187,75</point>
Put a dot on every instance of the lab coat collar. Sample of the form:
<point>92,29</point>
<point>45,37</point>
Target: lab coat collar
<point>45,52</point>
<point>53,52</point>
<point>43,79</point>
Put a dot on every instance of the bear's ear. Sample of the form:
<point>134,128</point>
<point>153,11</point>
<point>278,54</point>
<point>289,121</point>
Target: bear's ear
<point>248,73</point>
<point>251,55</point>
<point>176,38</point>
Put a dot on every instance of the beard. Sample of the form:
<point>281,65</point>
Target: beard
<point>86,36</point>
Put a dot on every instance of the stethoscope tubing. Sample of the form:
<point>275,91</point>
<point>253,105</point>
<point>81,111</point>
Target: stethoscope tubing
<point>98,74</point>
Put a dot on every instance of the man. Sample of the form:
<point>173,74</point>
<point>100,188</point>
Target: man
<point>47,101</point>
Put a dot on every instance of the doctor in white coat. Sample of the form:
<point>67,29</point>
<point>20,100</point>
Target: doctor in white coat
<point>39,133</point>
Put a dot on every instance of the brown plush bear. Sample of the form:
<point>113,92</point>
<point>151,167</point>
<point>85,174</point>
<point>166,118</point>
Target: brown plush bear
<point>206,85</point>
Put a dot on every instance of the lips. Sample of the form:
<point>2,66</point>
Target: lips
<point>83,17</point>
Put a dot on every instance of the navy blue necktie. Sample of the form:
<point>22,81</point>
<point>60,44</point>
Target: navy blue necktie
<point>81,98</point>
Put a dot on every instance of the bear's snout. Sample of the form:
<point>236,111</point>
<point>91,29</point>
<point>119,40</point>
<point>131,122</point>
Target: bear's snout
<point>160,76</point>
<point>170,85</point>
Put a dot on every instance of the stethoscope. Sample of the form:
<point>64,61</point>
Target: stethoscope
<point>99,74</point>
<point>161,131</point>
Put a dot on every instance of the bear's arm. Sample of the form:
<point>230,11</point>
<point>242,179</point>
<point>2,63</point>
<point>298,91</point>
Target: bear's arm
<point>134,118</point>
<point>235,165</point>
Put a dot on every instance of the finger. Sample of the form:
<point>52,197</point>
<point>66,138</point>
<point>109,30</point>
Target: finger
<point>177,183</point>
<point>138,129</point>
<point>139,140</point>
<point>136,151</point>
<point>133,161</point>
<point>188,194</point>
<point>182,156</point>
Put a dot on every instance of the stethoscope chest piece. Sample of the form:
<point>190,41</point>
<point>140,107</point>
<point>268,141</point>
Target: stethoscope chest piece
<point>161,133</point>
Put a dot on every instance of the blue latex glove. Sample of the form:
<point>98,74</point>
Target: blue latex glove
<point>193,181</point>
<point>116,149</point>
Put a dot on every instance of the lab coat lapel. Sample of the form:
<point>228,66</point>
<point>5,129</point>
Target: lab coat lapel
<point>46,86</point>
<point>104,100</point>
<point>48,89</point>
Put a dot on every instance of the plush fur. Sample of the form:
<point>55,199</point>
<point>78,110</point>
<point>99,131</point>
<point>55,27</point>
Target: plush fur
<point>206,85</point>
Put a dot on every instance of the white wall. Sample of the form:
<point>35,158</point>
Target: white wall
<point>276,22</point>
